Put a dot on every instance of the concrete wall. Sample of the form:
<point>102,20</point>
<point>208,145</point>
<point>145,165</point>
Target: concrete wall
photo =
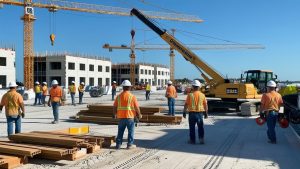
<point>8,72</point>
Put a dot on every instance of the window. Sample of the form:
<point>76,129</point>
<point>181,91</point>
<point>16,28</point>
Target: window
<point>107,80</point>
<point>142,71</point>
<point>153,72</point>
<point>146,72</point>
<point>91,68</point>
<point>55,65</point>
<point>99,68</point>
<point>158,82</point>
<point>2,62</point>
<point>99,81</point>
<point>158,73</point>
<point>82,79</point>
<point>91,82</point>
<point>3,80</point>
<point>162,73</point>
<point>149,72</point>
<point>82,66</point>
<point>58,78</point>
<point>70,79</point>
<point>71,66</point>
<point>107,68</point>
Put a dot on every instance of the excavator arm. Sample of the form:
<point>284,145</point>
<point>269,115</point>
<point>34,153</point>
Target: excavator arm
<point>190,56</point>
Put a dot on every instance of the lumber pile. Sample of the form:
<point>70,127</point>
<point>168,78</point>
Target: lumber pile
<point>102,114</point>
<point>52,145</point>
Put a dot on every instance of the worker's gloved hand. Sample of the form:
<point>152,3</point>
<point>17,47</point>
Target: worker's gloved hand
<point>261,115</point>
<point>23,115</point>
<point>184,114</point>
<point>205,115</point>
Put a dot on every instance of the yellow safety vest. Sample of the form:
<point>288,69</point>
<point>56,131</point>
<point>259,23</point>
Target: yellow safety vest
<point>37,89</point>
<point>72,88</point>
<point>148,87</point>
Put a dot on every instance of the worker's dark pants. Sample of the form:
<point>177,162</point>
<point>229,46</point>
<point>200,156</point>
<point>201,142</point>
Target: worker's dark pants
<point>196,118</point>
<point>113,93</point>
<point>147,94</point>
<point>73,98</point>
<point>80,97</point>
<point>271,123</point>
<point>37,98</point>
<point>171,105</point>
<point>123,123</point>
<point>43,99</point>
<point>10,124</point>
<point>55,106</point>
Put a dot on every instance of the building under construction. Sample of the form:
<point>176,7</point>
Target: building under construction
<point>155,74</point>
<point>7,66</point>
<point>65,68</point>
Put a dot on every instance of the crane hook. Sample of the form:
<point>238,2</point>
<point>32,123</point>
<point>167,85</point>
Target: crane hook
<point>52,39</point>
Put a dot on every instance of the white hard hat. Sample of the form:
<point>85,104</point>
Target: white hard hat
<point>45,83</point>
<point>37,82</point>
<point>271,83</point>
<point>12,84</point>
<point>126,83</point>
<point>170,82</point>
<point>196,83</point>
<point>82,83</point>
<point>114,82</point>
<point>73,82</point>
<point>54,82</point>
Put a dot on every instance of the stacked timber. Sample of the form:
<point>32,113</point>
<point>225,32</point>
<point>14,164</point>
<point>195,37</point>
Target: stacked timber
<point>102,114</point>
<point>51,145</point>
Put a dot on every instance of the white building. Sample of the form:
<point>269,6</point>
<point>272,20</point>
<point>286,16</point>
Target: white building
<point>155,74</point>
<point>7,66</point>
<point>65,68</point>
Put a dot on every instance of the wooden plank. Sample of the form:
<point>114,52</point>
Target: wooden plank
<point>21,151</point>
<point>50,140</point>
<point>70,157</point>
<point>44,149</point>
<point>12,161</point>
<point>100,120</point>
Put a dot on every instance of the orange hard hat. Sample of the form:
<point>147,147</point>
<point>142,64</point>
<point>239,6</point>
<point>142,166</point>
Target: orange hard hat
<point>260,121</point>
<point>284,123</point>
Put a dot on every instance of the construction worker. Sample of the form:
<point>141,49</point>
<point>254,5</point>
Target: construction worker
<point>126,109</point>
<point>14,108</point>
<point>269,108</point>
<point>38,93</point>
<point>44,92</point>
<point>72,91</point>
<point>113,90</point>
<point>171,94</point>
<point>81,92</point>
<point>148,90</point>
<point>55,94</point>
<point>196,106</point>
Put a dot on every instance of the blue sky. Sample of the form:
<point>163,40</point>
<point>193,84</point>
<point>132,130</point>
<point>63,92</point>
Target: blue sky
<point>272,23</point>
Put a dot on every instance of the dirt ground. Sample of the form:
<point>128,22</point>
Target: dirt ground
<point>230,141</point>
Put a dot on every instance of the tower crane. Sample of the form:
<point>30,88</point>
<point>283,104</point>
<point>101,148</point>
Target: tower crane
<point>54,5</point>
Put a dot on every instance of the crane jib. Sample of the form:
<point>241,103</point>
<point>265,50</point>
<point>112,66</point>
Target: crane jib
<point>178,46</point>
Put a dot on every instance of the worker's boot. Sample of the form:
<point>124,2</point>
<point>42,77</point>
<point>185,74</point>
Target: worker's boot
<point>132,146</point>
<point>118,146</point>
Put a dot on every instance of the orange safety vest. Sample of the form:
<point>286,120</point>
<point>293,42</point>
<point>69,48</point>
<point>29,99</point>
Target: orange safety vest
<point>125,106</point>
<point>171,92</point>
<point>271,101</point>
<point>196,102</point>
<point>12,100</point>
<point>45,90</point>
<point>56,94</point>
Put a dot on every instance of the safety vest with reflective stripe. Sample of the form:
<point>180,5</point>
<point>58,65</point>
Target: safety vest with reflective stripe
<point>125,110</point>
<point>196,107</point>
<point>120,107</point>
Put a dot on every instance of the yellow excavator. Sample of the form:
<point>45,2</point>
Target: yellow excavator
<point>230,94</point>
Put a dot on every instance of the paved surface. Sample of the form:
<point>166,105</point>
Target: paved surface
<point>230,141</point>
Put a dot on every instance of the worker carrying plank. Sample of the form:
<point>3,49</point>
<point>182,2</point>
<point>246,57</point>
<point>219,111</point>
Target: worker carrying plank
<point>56,94</point>
<point>171,94</point>
<point>196,106</point>
<point>269,108</point>
<point>14,108</point>
<point>81,92</point>
<point>72,91</point>
<point>126,108</point>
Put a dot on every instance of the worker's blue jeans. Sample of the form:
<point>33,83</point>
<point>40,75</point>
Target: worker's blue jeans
<point>73,98</point>
<point>80,97</point>
<point>43,99</point>
<point>123,123</point>
<point>196,118</point>
<point>148,94</point>
<point>271,123</point>
<point>10,124</point>
<point>37,98</point>
<point>113,93</point>
<point>55,106</point>
<point>171,104</point>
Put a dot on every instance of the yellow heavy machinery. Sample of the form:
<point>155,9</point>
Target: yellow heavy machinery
<point>232,94</point>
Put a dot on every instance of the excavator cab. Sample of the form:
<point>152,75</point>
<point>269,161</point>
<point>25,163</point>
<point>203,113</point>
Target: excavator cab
<point>259,78</point>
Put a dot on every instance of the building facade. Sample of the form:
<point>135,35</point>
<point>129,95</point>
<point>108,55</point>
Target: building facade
<point>7,66</point>
<point>65,68</point>
<point>155,74</point>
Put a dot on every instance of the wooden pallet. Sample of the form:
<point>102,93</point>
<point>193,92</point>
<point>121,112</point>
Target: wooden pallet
<point>9,162</point>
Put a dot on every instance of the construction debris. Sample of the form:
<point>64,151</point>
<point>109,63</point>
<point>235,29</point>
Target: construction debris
<point>102,114</point>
